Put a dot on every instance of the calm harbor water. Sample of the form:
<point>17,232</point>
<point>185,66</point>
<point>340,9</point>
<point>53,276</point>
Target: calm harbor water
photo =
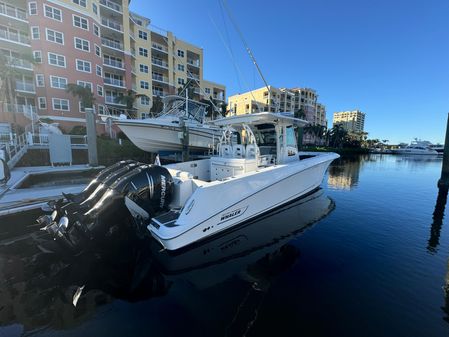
<point>363,256</point>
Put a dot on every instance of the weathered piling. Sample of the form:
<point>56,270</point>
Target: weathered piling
<point>444,180</point>
<point>185,141</point>
<point>91,131</point>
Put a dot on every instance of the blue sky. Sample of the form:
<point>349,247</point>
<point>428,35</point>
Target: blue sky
<point>389,59</point>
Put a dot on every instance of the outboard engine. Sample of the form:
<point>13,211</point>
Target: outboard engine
<point>132,199</point>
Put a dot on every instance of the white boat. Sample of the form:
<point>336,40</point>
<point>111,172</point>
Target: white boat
<point>243,181</point>
<point>164,132</point>
<point>417,147</point>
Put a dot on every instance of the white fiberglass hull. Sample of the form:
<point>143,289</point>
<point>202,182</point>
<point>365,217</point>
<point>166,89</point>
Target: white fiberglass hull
<point>415,151</point>
<point>155,137</point>
<point>220,205</point>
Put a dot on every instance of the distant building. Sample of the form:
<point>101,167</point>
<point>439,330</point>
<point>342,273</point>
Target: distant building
<point>273,99</point>
<point>352,121</point>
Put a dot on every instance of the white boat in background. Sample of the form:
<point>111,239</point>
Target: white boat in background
<point>417,147</point>
<point>243,181</point>
<point>164,132</point>
<point>437,147</point>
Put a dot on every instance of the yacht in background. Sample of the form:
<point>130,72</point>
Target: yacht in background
<point>419,147</point>
<point>164,132</point>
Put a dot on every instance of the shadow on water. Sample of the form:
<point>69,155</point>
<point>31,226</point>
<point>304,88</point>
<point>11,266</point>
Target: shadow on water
<point>438,215</point>
<point>37,288</point>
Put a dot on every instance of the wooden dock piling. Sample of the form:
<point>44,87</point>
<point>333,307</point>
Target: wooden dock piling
<point>444,180</point>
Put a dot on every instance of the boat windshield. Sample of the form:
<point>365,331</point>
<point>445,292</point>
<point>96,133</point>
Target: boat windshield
<point>266,138</point>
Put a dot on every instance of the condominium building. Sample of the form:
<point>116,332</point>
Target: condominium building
<point>272,99</point>
<point>351,121</point>
<point>98,44</point>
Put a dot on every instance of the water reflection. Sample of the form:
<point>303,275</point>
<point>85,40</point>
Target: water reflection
<point>37,288</point>
<point>344,172</point>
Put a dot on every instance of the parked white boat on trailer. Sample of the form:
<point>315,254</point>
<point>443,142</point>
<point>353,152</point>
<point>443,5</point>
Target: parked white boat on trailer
<point>242,182</point>
<point>164,132</point>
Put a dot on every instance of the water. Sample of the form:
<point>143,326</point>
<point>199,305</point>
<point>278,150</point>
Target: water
<point>364,256</point>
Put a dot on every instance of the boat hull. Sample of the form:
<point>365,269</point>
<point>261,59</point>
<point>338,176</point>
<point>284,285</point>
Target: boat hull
<point>159,137</point>
<point>225,204</point>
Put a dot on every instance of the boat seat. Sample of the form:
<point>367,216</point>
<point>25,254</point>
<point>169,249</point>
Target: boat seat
<point>251,151</point>
<point>226,150</point>
<point>239,151</point>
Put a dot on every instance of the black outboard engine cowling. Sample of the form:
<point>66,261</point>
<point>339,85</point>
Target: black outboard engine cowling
<point>133,198</point>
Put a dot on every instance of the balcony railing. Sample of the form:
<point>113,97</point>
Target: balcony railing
<point>195,63</point>
<point>159,78</point>
<point>112,24</point>
<point>159,47</point>
<point>159,93</point>
<point>21,108</point>
<point>195,76</point>
<point>111,5</point>
<point>159,62</point>
<point>13,12</point>
<point>114,81</point>
<point>19,63</point>
<point>12,36</point>
<point>113,63</point>
<point>112,100</point>
<point>25,86</point>
<point>112,44</point>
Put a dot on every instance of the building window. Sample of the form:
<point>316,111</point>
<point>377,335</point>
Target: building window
<point>99,70</point>
<point>143,35</point>
<point>52,13</point>
<point>144,84</point>
<point>143,68</point>
<point>35,34</point>
<point>181,81</point>
<point>99,90</point>
<point>144,100</point>
<point>80,22</point>
<point>54,36</point>
<point>180,67</point>
<point>96,30</point>
<point>84,66</point>
<point>180,53</point>
<point>100,109</point>
<point>32,8</point>
<point>60,104</point>
<point>81,3</point>
<point>82,44</point>
<point>56,60</point>
<point>37,56</point>
<point>40,81</point>
<point>207,90</point>
<point>143,52</point>
<point>95,8</point>
<point>58,82</point>
<point>42,103</point>
<point>97,50</point>
<point>87,85</point>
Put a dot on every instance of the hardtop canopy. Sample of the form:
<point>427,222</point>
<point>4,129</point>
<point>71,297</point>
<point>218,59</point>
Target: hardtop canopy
<point>261,118</point>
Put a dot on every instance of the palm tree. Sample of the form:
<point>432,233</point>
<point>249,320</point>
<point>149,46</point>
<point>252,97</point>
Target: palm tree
<point>337,136</point>
<point>129,99</point>
<point>158,105</point>
<point>87,100</point>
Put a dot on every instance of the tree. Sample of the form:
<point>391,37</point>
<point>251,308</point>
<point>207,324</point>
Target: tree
<point>337,136</point>
<point>87,100</point>
<point>129,99</point>
<point>158,105</point>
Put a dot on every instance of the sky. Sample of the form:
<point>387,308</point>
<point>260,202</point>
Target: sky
<point>388,58</point>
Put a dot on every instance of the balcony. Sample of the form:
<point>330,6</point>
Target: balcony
<point>112,44</point>
<point>159,78</point>
<point>21,108</point>
<point>159,93</point>
<point>159,63</point>
<point>24,86</point>
<point>113,63</point>
<point>19,63</point>
<point>195,63</point>
<point>14,37</point>
<point>111,5</point>
<point>218,97</point>
<point>114,25</point>
<point>112,100</point>
<point>114,82</point>
<point>13,12</point>
<point>194,76</point>
<point>133,52</point>
<point>159,47</point>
